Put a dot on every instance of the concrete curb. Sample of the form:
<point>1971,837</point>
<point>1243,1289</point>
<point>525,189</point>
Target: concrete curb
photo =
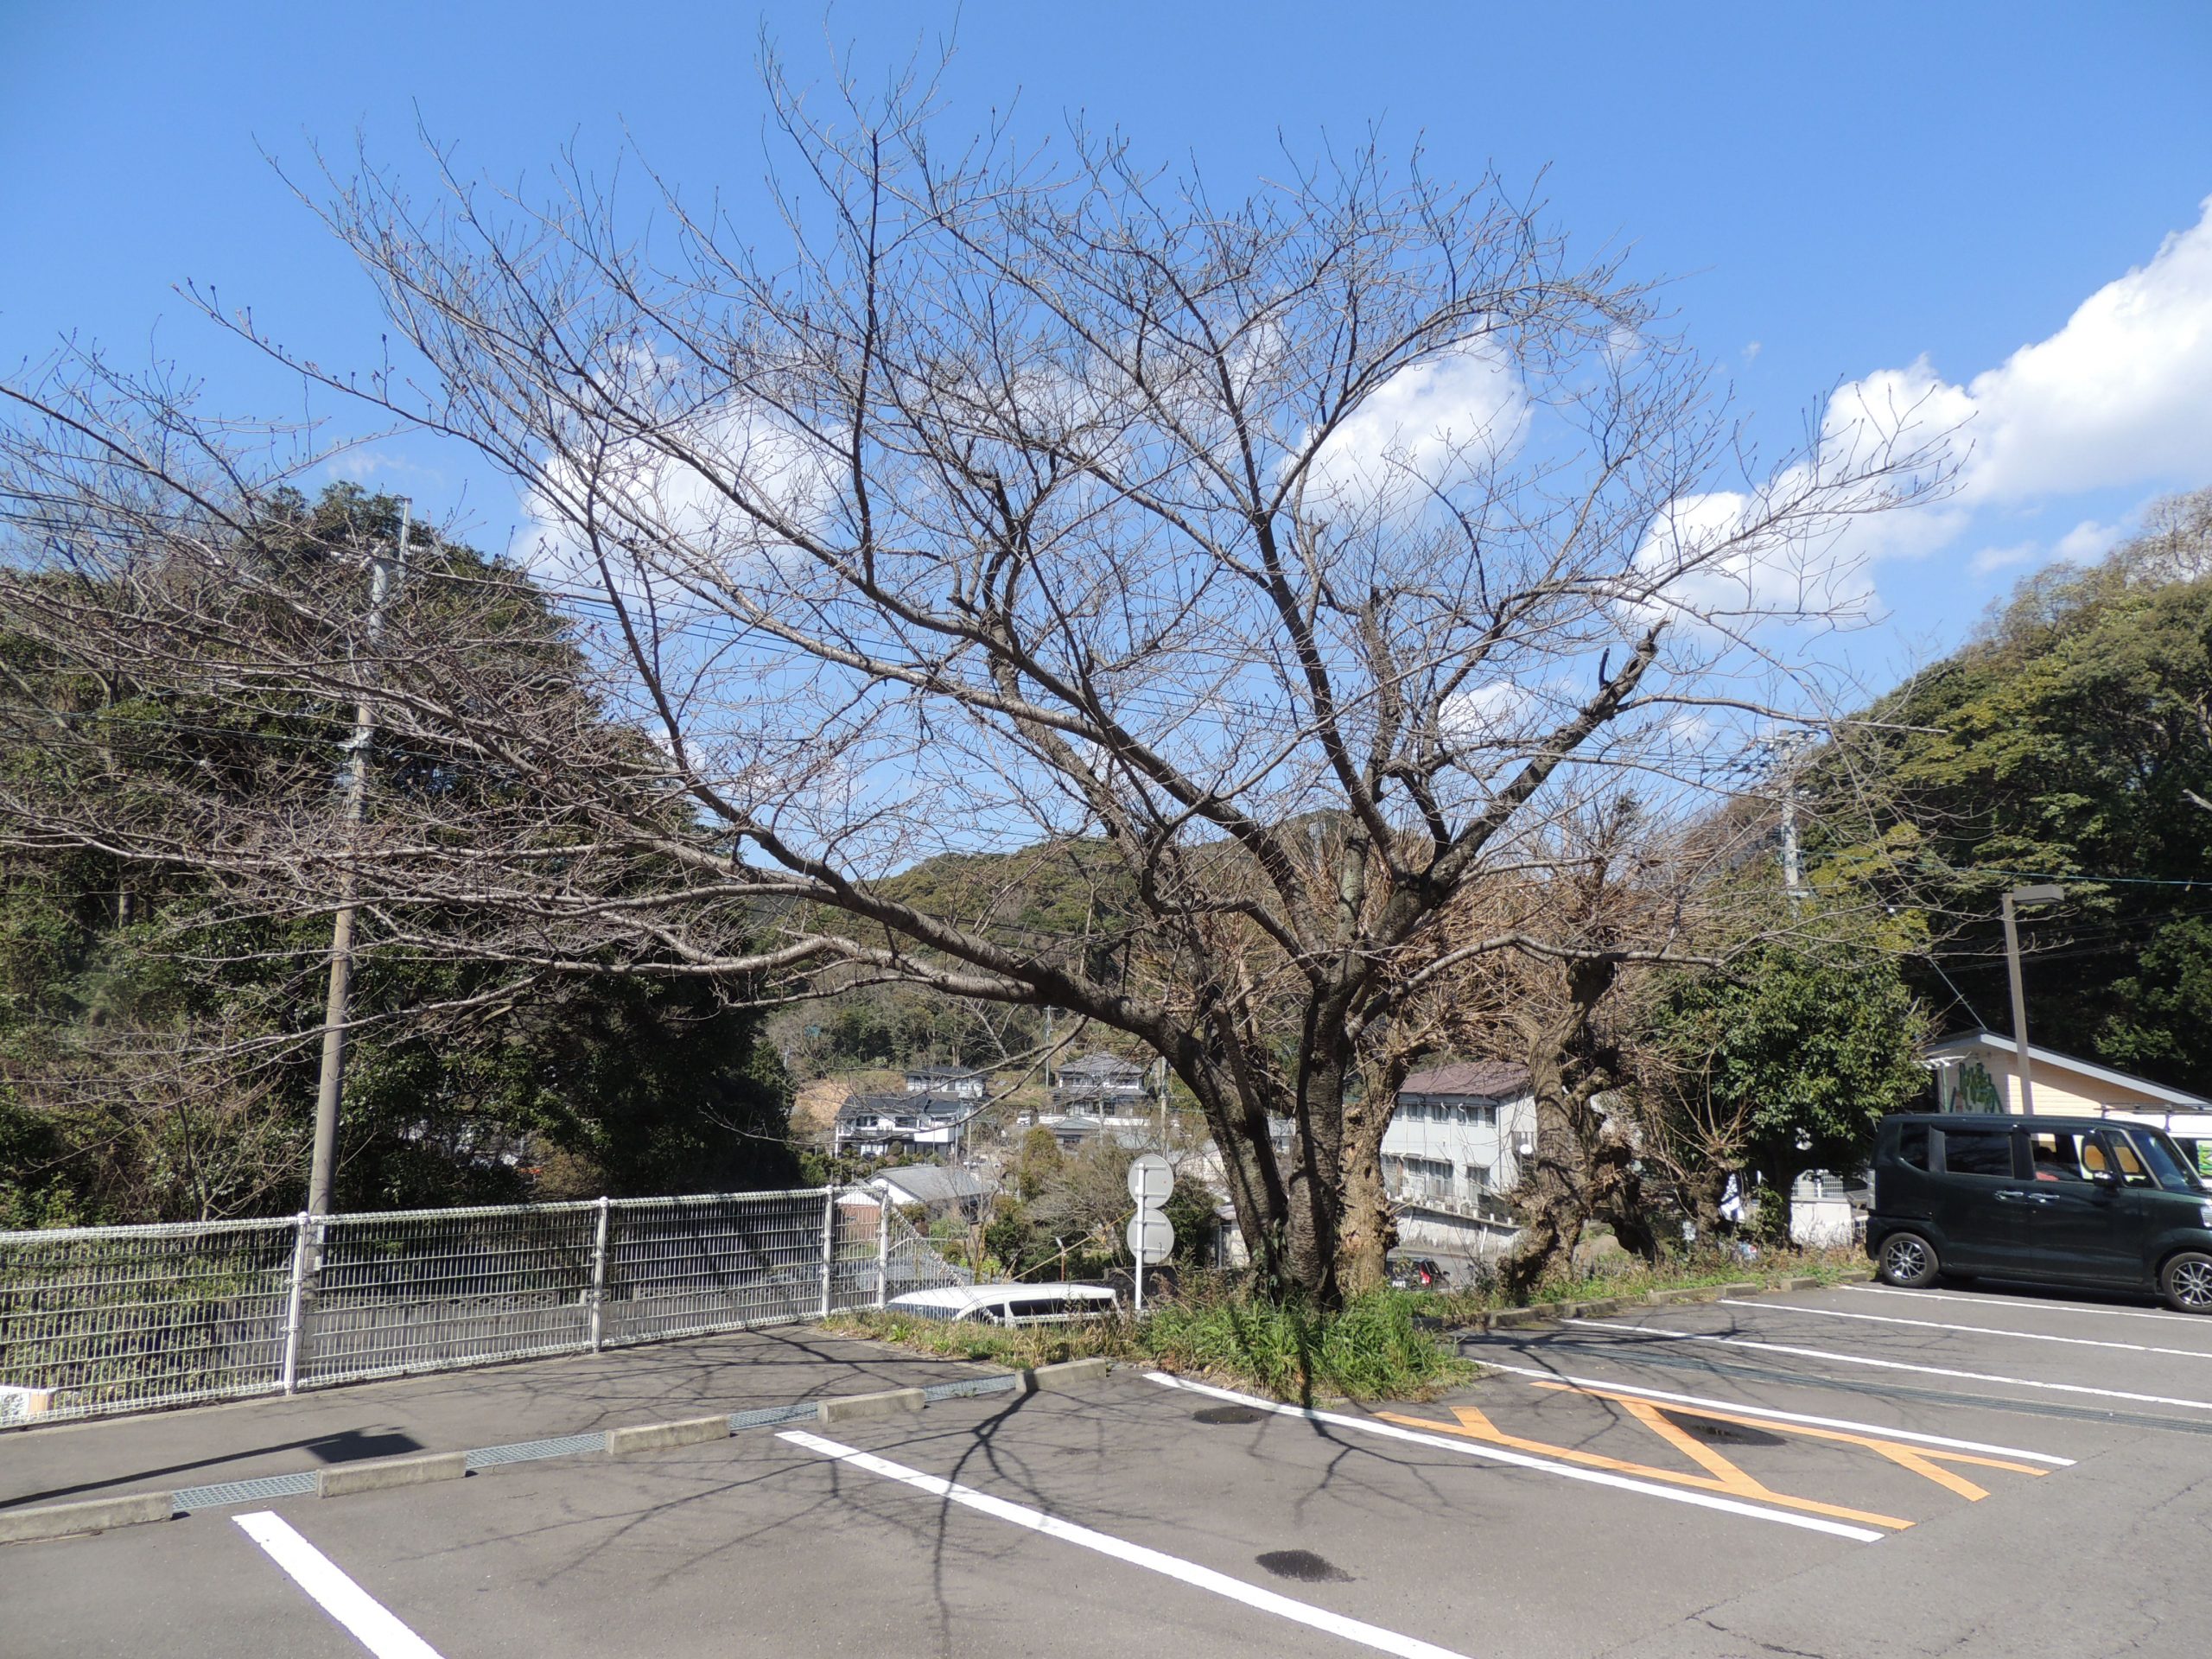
<point>1067,1374</point>
<point>378,1474</point>
<point>889,1403</point>
<point>94,1515</point>
<point>653,1437</point>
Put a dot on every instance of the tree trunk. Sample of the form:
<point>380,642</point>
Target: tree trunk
<point>1366,1232</point>
<point>1314,1185</point>
<point>1575,1170</point>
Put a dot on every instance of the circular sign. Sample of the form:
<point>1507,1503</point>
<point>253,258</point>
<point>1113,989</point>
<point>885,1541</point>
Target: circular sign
<point>1151,1177</point>
<point>1151,1237</point>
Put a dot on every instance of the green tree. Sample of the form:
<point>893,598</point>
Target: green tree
<point>1783,1064</point>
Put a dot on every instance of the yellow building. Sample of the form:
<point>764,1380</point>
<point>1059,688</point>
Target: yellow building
<point>1979,1071</point>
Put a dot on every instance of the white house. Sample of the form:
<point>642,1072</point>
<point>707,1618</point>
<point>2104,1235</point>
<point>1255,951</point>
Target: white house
<point>1454,1143</point>
<point>874,1126</point>
<point>953,1082</point>
<point>1100,1094</point>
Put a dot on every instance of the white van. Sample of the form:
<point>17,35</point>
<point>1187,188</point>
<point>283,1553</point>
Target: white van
<point>1052,1304</point>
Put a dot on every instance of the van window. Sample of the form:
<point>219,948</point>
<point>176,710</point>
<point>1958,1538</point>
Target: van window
<point>2063,1156</point>
<point>2127,1160</point>
<point>1912,1145</point>
<point>1978,1151</point>
<point>2171,1170</point>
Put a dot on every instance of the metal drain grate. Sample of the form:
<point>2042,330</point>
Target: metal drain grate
<point>960,1390</point>
<point>563,1446</point>
<point>771,1414</point>
<point>186,1499</point>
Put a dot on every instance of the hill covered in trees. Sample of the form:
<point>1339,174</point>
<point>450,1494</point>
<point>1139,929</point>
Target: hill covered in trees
<point>2070,741</point>
<point>159,1028</point>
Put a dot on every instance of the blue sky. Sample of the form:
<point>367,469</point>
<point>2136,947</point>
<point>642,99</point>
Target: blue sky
<point>1835,193</point>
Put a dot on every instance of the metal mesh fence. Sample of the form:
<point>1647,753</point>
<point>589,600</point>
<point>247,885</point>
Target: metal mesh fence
<point>679,1266</point>
<point>95,1320</point>
<point>912,1262</point>
<point>428,1289</point>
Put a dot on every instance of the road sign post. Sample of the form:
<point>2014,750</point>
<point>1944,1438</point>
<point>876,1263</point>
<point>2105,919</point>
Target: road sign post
<point>1151,1236</point>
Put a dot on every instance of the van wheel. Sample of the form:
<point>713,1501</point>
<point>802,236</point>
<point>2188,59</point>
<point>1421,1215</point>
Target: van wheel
<point>1908,1261</point>
<point>2187,1282</point>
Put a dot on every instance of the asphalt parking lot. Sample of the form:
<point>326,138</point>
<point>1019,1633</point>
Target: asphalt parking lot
<point>1854,1470</point>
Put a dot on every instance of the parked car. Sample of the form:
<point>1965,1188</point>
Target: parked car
<point>1010,1305</point>
<point>2071,1200</point>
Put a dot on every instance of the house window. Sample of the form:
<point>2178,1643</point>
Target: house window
<point>1425,1177</point>
<point>1478,1177</point>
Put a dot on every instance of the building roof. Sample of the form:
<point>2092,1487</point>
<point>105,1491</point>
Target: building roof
<point>928,1184</point>
<point>1479,1079</point>
<point>1100,1066</point>
<point>949,1072</point>
<point>1957,1044</point>
<point>866,1108</point>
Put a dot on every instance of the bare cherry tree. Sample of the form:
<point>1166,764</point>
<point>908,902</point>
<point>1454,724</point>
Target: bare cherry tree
<point>1280,567</point>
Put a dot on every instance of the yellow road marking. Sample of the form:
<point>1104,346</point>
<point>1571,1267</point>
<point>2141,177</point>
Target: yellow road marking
<point>1923,1461</point>
<point>1726,1477</point>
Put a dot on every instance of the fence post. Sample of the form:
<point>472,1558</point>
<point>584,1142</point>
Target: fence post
<point>599,1274</point>
<point>882,1250</point>
<point>296,1304</point>
<point>828,1241</point>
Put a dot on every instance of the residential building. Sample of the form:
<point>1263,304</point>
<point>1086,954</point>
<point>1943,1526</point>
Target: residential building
<point>877,1126</point>
<point>1453,1145</point>
<point>953,1082</point>
<point>1100,1094</point>
<point>1102,1086</point>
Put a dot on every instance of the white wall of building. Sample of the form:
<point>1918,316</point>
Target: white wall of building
<point>1455,1150</point>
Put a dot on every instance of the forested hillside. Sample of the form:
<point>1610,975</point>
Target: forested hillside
<point>159,1031</point>
<point>2071,740</point>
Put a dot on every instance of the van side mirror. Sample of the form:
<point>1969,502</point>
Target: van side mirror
<point>2105,1177</point>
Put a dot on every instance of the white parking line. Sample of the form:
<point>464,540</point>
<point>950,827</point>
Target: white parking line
<point>366,1618</point>
<point>1522,1461</point>
<point>1767,1415</point>
<point>2032,1303</point>
<point>1973,1330</point>
<point>1173,1567</point>
<point>1893,1365</point>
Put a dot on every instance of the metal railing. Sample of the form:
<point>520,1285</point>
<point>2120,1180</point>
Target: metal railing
<point>102,1319</point>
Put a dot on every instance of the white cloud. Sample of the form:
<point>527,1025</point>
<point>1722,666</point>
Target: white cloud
<point>674,496</point>
<point>1426,427</point>
<point>2085,543</point>
<point>1720,560</point>
<point>2088,542</point>
<point>2121,395</point>
<point>1992,559</point>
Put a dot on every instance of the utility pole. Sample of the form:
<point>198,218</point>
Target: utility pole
<point>2043,895</point>
<point>337,1011</point>
<point>1786,746</point>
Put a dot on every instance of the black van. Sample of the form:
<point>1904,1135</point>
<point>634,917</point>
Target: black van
<point>2082,1200</point>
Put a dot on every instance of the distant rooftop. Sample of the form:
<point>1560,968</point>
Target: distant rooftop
<point>1101,1066</point>
<point>860,1108</point>
<point>929,1184</point>
<point>1477,1079</point>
